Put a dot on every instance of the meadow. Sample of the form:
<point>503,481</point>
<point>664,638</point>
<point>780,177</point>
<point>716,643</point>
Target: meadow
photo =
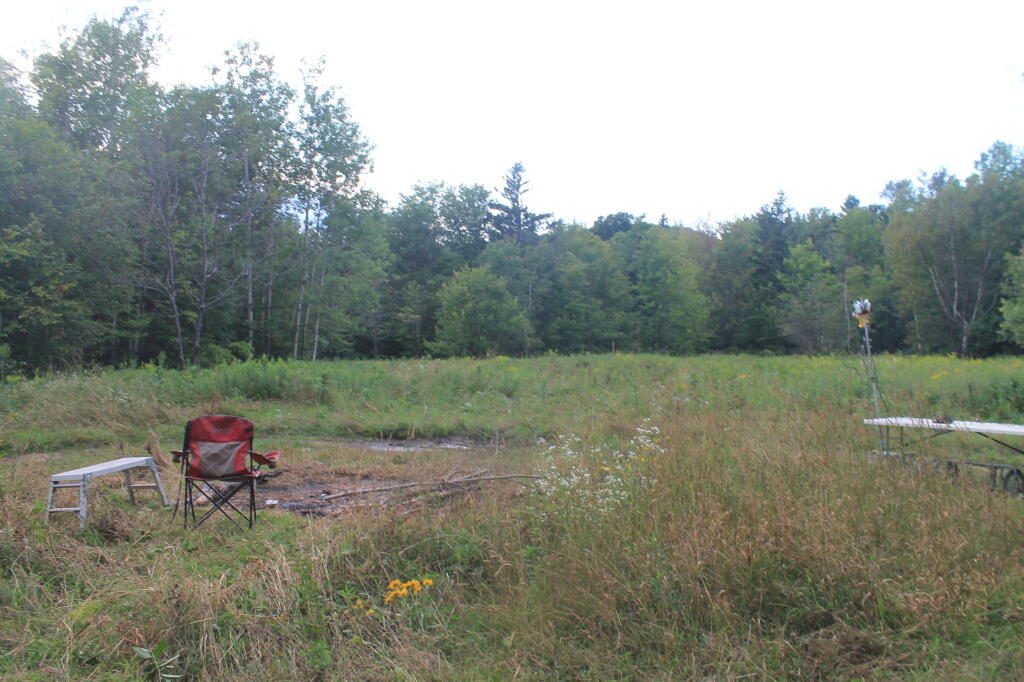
<point>696,517</point>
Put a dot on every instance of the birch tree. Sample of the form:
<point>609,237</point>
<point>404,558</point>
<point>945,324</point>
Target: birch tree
<point>948,254</point>
<point>330,155</point>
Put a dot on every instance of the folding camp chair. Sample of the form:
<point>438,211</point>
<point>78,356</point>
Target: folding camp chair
<point>219,448</point>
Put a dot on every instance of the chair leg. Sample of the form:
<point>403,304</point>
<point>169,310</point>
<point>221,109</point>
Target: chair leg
<point>187,502</point>
<point>219,500</point>
<point>252,502</point>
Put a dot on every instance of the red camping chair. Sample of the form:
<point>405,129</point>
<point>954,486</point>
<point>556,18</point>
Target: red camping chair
<point>219,448</point>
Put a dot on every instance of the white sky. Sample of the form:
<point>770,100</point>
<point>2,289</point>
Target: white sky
<point>698,110</point>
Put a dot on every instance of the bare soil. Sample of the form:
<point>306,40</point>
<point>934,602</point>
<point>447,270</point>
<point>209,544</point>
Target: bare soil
<point>302,487</point>
<point>302,491</point>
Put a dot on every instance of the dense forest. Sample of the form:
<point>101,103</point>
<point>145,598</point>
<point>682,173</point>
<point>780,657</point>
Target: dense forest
<point>194,225</point>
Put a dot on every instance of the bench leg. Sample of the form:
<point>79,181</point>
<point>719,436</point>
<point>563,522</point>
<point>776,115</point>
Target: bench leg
<point>83,500</point>
<point>128,482</point>
<point>49,501</point>
<point>159,483</point>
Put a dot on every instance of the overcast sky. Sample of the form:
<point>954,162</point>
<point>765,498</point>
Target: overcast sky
<point>698,110</point>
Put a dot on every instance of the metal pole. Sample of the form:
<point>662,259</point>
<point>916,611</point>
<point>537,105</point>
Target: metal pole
<point>883,444</point>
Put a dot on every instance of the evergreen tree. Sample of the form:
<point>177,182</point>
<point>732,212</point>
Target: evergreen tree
<point>512,219</point>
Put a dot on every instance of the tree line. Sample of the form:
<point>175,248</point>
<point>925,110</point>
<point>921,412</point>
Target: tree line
<point>196,224</point>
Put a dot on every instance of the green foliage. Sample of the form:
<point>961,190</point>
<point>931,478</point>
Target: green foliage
<point>138,222</point>
<point>479,316</point>
<point>87,88</point>
<point>216,355</point>
<point>810,304</point>
<point>1012,306</point>
<point>241,350</point>
<point>948,253</point>
<point>587,304</point>
<point>671,313</point>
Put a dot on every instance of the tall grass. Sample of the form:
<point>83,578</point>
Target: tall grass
<point>501,399</point>
<point>700,517</point>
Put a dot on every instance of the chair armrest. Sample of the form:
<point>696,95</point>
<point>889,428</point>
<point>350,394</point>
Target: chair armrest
<point>270,459</point>
<point>178,454</point>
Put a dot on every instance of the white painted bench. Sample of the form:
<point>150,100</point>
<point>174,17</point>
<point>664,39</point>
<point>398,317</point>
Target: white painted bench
<point>80,478</point>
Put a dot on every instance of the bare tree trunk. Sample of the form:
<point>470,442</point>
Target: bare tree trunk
<point>846,308</point>
<point>250,318</point>
<point>201,290</point>
<point>249,312</point>
<point>308,310</point>
<point>172,297</point>
<point>197,336</point>
<point>297,323</point>
<point>303,278</point>
<point>316,324</point>
<point>134,344</point>
<point>267,315</point>
<point>316,337</point>
<point>179,334</point>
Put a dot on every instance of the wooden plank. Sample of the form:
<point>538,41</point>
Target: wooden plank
<point>952,425</point>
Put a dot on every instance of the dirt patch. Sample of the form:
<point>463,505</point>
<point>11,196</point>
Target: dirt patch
<point>326,492</point>
<point>303,492</point>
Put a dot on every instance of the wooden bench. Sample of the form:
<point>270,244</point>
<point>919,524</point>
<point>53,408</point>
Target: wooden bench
<point>80,478</point>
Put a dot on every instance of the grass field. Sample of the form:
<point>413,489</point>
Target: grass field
<point>708,517</point>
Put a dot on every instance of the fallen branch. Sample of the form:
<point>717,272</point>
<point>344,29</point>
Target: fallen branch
<point>442,483</point>
<point>366,491</point>
<point>505,477</point>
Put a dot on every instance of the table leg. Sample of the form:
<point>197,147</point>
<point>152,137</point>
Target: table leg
<point>83,500</point>
<point>49,501</point>
<point>128,482</point>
